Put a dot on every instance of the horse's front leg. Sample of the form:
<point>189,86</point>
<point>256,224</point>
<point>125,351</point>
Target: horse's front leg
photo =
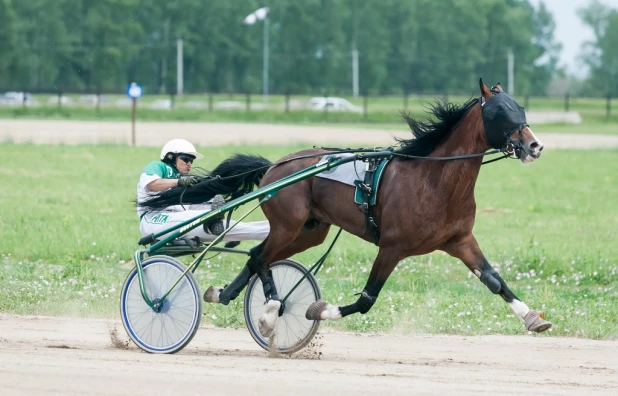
<point>467,250</point>
<point>383,266</point>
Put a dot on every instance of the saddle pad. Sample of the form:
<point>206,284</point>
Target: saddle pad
<point>349,172</point>
<point>346,173</point>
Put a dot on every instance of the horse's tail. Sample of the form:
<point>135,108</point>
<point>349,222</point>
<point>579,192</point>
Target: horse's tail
<point>240,172</point>
<point>234,176</point>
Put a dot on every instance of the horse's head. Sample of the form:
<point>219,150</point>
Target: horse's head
<point>505,124</point>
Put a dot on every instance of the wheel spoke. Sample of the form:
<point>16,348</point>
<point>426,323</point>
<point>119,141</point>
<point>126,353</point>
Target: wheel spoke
<point>293,330</point>
<point>173,327</point>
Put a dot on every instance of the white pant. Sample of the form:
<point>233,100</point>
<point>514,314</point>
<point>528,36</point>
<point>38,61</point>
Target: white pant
<point>155,222</point>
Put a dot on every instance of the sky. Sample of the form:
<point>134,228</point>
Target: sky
<point>570,30</point>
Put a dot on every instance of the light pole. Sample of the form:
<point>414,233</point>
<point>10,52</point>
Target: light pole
<point>261,14</point>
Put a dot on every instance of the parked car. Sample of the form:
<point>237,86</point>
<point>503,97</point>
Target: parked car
<point>161,104</point>
<point>93,99</point>
<point>332,104</point>
<point>229,105</point>
<point>64,100</point>
<point>16,99</point>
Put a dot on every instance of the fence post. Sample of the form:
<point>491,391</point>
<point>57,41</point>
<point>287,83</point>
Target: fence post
<point>608,109</point>
<point>566,102</point>
<point>527,102</point>
<point>172,101</point>
<point>325,104</point>
<point>405,100</point>
<point>287,101</point>
<point>248,100</point>
<point>366,105</point>
<point>59,100</point>
<point>23,98</point>
<point>210,100</point>
<point>98,101</point>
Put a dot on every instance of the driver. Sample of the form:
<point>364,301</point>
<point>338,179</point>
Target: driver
<point>172,170</point>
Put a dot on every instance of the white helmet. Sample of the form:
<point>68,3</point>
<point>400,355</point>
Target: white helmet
<point>178,146</point>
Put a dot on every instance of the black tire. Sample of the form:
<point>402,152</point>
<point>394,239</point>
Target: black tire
<point>171,329</point>
<point>293,331</point>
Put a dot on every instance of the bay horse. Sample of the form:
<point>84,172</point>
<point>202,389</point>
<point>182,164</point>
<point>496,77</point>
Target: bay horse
<point>422,205</point>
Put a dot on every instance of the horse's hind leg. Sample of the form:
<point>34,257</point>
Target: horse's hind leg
<point>308,237</point>
<point>467,250</point>
<point>223,295</point>
<point>383,266</point>
<point>272,252</point>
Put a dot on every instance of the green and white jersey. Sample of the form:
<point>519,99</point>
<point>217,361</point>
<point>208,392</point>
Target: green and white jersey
<point>153,171</point>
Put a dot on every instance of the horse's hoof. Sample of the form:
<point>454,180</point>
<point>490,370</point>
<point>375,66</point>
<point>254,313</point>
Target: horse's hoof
<point>212,295</point>
<point>268,321</point>
<point>534,321</point>
<point>315,310</point>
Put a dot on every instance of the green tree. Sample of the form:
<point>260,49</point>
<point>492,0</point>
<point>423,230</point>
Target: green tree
<point>601,55</point>
<point>403,45</point>
<point>9,42</point>
<point>45,45</point>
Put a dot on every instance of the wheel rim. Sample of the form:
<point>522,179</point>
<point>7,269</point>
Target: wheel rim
<point>165,330</point>
<point>292,327</point>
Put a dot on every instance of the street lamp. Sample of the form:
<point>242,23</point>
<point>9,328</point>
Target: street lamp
<point>261,15</point>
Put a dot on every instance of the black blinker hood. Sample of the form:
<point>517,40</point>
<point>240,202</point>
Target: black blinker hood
<point>502,116</point>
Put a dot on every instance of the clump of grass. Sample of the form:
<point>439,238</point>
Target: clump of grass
<point>67,242</point>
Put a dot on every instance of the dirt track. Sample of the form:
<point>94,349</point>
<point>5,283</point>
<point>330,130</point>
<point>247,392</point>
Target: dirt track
<point>63,356</point>
<point>208,134</point>
<point>42,355</point>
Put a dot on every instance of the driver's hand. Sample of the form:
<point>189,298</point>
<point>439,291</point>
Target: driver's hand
<point>188,181</point>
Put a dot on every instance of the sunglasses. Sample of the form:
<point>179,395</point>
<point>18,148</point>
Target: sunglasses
<point>187,159</point>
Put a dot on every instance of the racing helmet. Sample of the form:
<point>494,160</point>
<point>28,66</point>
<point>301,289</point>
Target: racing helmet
<point>177,146</point>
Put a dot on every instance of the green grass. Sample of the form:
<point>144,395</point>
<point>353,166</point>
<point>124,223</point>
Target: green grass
<point>382,112</point>
<point>69,230</point>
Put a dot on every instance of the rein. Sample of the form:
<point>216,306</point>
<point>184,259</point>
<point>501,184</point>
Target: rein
<point>506,152</point>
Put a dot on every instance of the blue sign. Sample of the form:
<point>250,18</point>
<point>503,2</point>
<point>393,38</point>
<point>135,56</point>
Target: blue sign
<point>134,91</point>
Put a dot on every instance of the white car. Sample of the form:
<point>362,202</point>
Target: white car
<point>332,104</point>
<point>161,104</point>
<point>16,99</point>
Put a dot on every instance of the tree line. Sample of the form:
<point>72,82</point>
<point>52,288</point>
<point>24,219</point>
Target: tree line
<point>404,46</point>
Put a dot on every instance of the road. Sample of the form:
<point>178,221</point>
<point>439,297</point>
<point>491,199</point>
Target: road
<point>70,356</point>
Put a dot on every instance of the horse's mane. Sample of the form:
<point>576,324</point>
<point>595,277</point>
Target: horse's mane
<point>427,134</point>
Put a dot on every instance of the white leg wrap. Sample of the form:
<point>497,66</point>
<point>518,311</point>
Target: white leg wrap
<point>331,312</point>
<point>520,309</point>
<point>268,320</point>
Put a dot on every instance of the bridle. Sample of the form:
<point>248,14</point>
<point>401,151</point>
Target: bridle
<point>515,149</point>
<point>502,114</point>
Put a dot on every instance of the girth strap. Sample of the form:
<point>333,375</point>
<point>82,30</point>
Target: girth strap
<point>366,187</point>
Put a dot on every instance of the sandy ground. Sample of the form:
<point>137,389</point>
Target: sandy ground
<point>209,134</point>
<point>62,356</point>
<point>65,356</point>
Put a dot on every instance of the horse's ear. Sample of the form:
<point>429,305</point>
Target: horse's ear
<point>497,87</point>
<point>485,92</point>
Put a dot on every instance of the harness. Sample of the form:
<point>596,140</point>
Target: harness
<point>502,116</point>
<point>366,193</point>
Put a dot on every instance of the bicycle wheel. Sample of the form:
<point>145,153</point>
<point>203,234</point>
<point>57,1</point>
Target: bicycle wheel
<point>293,330</point>
<point>173,327</point>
